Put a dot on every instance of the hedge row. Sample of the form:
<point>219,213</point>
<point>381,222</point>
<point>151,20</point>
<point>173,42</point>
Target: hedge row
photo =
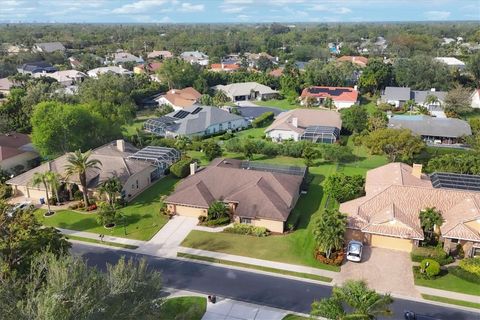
<point>434,253</point>
<point>465,275</point>
<point>240,228</point>
<point>181,168</point>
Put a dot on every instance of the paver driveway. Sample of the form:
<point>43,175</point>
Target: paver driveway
<point>235,310</point>
<point>384,270</point>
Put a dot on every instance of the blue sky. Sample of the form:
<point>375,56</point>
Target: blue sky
<point>235,11</point>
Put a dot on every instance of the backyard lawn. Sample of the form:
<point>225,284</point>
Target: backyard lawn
<point>191,308</point>
<point>281,104</point>
<point>450,282</point>
<point>142,215</point>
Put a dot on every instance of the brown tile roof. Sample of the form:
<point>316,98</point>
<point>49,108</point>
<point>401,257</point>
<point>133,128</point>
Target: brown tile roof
<point>183,97</point>
<point>224,67</point>
<point>276,72</point>
<point>306,118</point>
<point>11,144</point>
<point>394,209</point>
<point>358,60</point>
<point>334,93</point>
<point>258,194</point>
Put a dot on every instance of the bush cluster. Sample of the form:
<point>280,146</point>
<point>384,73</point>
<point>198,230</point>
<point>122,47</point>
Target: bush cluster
<point>430,268</point>
<point>471,265</point>
<point>434,253</point>
<point>181,168</point>
<point>240,228</point>
<point>263,120</point>
<point>465,275</point>
<point>214,222</point>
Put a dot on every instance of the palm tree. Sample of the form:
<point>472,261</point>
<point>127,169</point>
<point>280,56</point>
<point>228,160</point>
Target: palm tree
<point>409,105</point>
<point>111,187</point>
<point>53,180</point>
<point>41,178</point>
<point>79,163</point>
<point>329,103</point>
<point>329,231</point>
<point>217,210</point>
<point>431,99</point>
<point>429,218</point>
<point>362,303</point>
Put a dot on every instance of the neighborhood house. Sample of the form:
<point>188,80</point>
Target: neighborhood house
<point>388,215</point>
<point>94,73</point>
<point>358,60</point>
<point>180,98</point>
<point>123,57</point>
<point>342,97</point>
<point>247,91</point>
<point>316,125</point>
<point>66,77</point>
<point>195,57</point>
<point>36,67</point>
<point>261,196</point>
<point>430,99</point>
<point>136,169</point>
<point>16,150</point>
<point>48,47</point>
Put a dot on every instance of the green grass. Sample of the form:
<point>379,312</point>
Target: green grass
<point>294,317</point>
<point>252,132</point>
<point>142,215</point>
<point>281,104</point>
<point>450,282</point>
<point>364,161</point>
<point>250,266</point>
<point>191,308</point>
<point>295,248</point>
<point>107,243</point>
<point>370,103</point>
<point>462,303</point>
<point>130,129</point>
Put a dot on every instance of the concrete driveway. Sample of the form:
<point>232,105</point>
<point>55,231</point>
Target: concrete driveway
<point>235,310</point>
<point>384,270</point>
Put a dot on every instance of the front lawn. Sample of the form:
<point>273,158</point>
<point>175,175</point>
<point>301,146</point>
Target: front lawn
<point>450,282</point>
<point>142,215</point>
<point>296,247</point>
<point>191,308</point>
<point>281,104</point>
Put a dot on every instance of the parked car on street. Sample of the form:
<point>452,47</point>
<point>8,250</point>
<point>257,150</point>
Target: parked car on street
<point>354,251</point>
<point>410,315</point>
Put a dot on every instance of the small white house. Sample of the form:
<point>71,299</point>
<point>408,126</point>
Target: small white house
<point>476,99</point>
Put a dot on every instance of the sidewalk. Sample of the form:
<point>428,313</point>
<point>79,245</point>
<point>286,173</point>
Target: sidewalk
<point>448,294</point>
<point>259,262</point>
<point>107,238</point>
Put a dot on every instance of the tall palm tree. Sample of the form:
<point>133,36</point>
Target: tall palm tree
<point>79,163</point>
<point>329,231</point>
<point>111,187</point>
<point>329,103</point>
<point>53,180</point>
<point>41,178</point>
<point>429,218</point>
<point>431,99</point>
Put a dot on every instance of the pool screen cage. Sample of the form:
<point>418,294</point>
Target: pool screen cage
<point>158,126</point>
<point>160,156</point>
<point>321,134</point>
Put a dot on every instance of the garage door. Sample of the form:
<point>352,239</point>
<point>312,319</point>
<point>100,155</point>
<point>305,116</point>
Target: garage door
<point>391,243</point>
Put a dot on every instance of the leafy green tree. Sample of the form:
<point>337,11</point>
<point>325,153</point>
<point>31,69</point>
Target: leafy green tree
<point>181,168</point>
<point>112,188</point>
<point>211,149</point>
<point>217,210</point>
<point>206,100</point>
<point>263,64</point>
<point>249,149</point>
<point>21,238</point>
<point>310,155</point>
<point>395,143</point>
<point>474,67</point>
<point>422,73</point>
<point>429,218</point>
<point>375,76</point>
<point>79,163</point>
<point>67,288</point>
<point>458,100</point>
<point>42,178</point>
<point>177,73</point>
<point>353,300</point>
<point>355,118</point>
<point>456,163</point>
<point>343,188</point>
<point>106,214</point>
<point>220,98</point>
<point>329,103</point>
<point>331,74</point>
<point>329,230</point>
<point>377,120</point>
<point>182,143</point>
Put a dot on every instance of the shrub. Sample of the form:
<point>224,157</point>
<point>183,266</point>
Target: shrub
<point>240,228</point>
<point>78,195</point>
<point>263,120</point>
<point>106,214</point>
<point>434,253</point>
<point>216,222</point>
<point>92,207</point>
<point>465,275</point>
<point>181,168</point>
<point>5,191</point>
<point>430,267</point>
<point>471,265</point>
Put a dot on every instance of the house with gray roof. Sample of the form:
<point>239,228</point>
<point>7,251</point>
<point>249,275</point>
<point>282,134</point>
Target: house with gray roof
<point>398,96</point>
<point>195,121</point>
<point>195,57</point>
<point>36,67</point>
<point>123,57</point>
<point>48,47</point>
<point>244,91</point>
<point>446,131</point>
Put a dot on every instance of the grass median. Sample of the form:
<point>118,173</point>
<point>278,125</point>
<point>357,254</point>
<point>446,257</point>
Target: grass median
<point>462,303</point>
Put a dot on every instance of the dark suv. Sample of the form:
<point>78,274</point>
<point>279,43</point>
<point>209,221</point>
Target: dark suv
<point>410,315</point>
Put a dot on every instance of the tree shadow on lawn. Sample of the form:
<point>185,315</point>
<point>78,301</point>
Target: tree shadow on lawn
<point>308,204</point>
<point>210,244</point>
<point>153,194</point>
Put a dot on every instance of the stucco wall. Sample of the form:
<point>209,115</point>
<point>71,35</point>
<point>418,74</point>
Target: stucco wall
<point>234,125</point>
<point>137,183</point>
<point>343,104</point>
<point>282,135</point>
<point>272,225</point>
<point>391,243</point>
<point>186,211</point>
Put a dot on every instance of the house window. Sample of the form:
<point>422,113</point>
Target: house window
<point>454,240</point>
<point>137,184</point>
<point>229,125</point>
<point>476,252</point>
<point>246,220</point>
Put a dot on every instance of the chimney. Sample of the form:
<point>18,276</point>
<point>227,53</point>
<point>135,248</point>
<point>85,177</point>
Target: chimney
<point>355,87</point>
<point>121,145</point>
<point>295,122</point>
<point>417,170</point>
<point>193,168</point>
<point>433,89</point>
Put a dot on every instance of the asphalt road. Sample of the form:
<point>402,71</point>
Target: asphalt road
<point>251,287</point>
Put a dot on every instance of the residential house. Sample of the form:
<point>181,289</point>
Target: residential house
<point>136,169</point>
<point>388,215</point>
<point>5,86</point>
<point>65,77</point>
<point>94,73</point>
<point>475,98</point>
<point>342,97</point>
<point>223,67</point>
<point>316,125</point>
<point>195,57</point>
<point>357,60</point>
<point>445,131</point>
<point>244,91</point>
<point>119,58</point>
<point>16,151</point>
<point>147,67</point>
<point>179,99</point>
<point>451,62</point>
<point>253,58</point>
<point>162,54</point>
<point>398,96</point>
<point>195,121</point>
<point>262,198</point>
<point>36,67</point>
<point>334,48</point>
<point>48,47</point>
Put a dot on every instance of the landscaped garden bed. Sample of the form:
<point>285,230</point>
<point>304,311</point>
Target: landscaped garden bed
<point>191,308</point>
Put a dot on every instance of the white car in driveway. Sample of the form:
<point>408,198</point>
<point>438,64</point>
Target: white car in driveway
<point>354,251</point>
<point>19,206</point>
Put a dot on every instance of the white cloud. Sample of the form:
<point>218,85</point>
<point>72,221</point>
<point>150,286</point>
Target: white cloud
<point>437,15</point>
<point>188,7</point>
<point>232,9</point>
<point>331,8</point>
<point>243,17</point>
<point>342,10</point>
<point>237,1</point>
<point>141,6</point>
